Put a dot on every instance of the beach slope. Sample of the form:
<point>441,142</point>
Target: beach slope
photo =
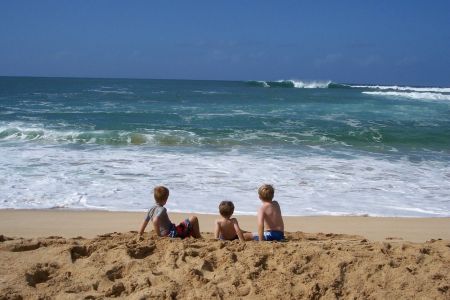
<point>307,266</point>
<point>71,255</point>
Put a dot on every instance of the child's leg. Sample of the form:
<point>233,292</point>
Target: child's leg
<point>248,236</point>
<point>195,227</point>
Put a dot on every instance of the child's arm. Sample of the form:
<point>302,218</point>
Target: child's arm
<point>156,226</point>
<point>217,230</point>
<point>261,224</point>
<point>238,230</point>
<point>144,224</point>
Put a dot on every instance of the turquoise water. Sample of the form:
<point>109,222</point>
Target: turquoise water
<point>328,148</point>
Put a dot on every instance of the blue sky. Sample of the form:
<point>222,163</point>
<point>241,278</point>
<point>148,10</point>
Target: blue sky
<point>387,42</point>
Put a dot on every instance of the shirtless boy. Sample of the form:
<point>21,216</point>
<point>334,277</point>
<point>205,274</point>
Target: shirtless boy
<point>227,228</point>
<point>270,221</point>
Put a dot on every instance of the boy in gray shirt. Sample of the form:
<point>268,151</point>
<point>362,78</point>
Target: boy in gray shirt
<point>161,222</point>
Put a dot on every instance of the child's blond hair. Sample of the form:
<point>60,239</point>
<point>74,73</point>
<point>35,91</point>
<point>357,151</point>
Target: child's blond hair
<point>226,209</point>
<point>266,192</point>
<point>161,194</point>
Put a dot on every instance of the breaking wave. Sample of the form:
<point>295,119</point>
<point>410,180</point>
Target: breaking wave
<point>404,88</point>
<point>100,137</point>
<point>317,84</point>
<point>296,84</point>
<point>411,95</point>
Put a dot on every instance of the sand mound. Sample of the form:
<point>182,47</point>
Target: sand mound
<point>306,267</point>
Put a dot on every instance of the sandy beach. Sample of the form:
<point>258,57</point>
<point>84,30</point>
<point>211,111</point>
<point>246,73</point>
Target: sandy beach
<point>88,224</point>
<point>338,111</point>
<point>95,255</point>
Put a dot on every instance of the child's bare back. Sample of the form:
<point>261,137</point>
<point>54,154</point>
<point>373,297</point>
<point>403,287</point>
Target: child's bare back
<point>271,213</point>
<point>270,220</point>
<point>227,228</point>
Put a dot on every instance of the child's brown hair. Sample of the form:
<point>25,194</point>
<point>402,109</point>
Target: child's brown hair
<point>161,194</point>
<point>226,209</point>
<point>266,192</point>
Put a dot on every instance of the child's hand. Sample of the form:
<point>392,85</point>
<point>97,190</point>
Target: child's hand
<point>139,238</point>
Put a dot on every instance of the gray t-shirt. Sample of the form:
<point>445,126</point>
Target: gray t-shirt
<point>164,221</point>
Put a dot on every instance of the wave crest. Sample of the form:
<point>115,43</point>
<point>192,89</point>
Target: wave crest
<point>299,84</point>
<point>411,95</point>
<point>403,88</point>
<point>100,137</point>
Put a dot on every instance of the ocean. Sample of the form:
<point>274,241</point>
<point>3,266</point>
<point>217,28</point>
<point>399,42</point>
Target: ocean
<point>328,148</point>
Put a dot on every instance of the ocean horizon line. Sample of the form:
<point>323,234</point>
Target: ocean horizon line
<point>414,85</point>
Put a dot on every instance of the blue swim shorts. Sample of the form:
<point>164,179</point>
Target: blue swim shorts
<point>270,235</point>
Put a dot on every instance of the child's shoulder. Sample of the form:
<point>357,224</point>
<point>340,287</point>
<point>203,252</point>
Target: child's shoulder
<point>224,222</point>
<point>157,209</point>
<point>221,221</point>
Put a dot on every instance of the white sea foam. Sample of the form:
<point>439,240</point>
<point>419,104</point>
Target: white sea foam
<point>352,123</point>
<point>312,184</point>
<point>310,84</point>
<point>26,132</point>
<point>7,112</point>
<point>404,88</point>
<point>209,92</point>
<point>300,84</point>
<point>264,84</point>
<point>19,132</point>
<point>412,95</point>
<point>120,92</point>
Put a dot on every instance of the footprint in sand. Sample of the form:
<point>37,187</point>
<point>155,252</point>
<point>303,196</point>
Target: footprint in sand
<point>140,251</point>
<point>115,273</point>
<point>40,273</point>
<point>78,252</point>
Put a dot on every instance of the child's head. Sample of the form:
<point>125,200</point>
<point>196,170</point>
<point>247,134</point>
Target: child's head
<point>226,209</point>
<point>161,194</point>
<point>266,192</point>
